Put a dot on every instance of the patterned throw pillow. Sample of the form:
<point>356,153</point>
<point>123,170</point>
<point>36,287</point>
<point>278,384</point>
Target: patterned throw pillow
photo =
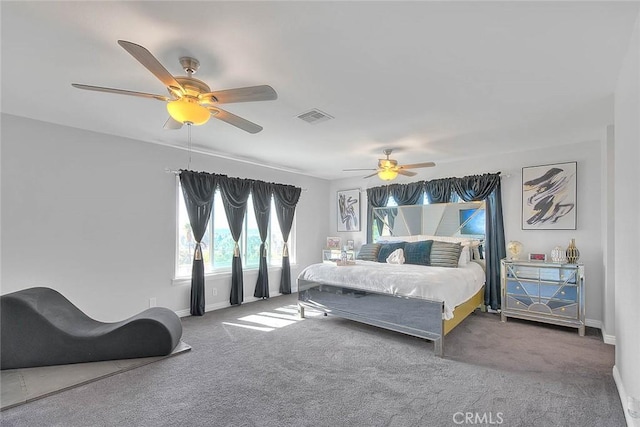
<point>445,254</point>
<point>418,252</point>
<point>369,252</point>
<point>387,248</point>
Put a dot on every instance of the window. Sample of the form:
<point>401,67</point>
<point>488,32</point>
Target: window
<point>217,243</point>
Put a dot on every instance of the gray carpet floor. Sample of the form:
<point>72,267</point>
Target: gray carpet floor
<point>258,365</point>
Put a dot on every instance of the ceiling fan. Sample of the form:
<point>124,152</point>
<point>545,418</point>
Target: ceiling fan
<point>388,169</point>
<point>190,100</point>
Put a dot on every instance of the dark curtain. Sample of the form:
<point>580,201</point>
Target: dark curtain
<point>487,187</point>
<point>407,194</point>
<point>286,198</point>
<point>377,197</point>
<point>235,192</point>
<point>439,190</point>
<point>198,189</point>
<point>261,194</point>
<point>404,194</point>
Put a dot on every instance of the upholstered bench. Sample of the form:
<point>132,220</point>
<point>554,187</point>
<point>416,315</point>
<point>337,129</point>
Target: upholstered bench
<point>40,327</point>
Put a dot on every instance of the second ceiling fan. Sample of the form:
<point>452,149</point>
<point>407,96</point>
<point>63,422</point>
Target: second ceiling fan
<point>388,169</point>
<point>190,100</point>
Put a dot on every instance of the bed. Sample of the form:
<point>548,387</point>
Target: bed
<point>423,301</point>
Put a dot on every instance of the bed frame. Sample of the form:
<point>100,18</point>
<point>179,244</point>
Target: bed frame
<point>413,316</point>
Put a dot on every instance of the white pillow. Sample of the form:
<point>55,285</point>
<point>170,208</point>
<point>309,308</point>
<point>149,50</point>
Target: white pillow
<point>465,256</point>
<point>396,257</point>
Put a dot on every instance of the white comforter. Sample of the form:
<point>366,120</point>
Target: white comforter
<point>453,286</point>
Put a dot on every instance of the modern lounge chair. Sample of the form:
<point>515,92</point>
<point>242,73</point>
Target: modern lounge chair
<point>40,327</point>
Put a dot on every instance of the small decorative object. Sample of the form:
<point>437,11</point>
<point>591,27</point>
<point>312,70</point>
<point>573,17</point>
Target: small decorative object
<point>515,248</point>
<point>559,255</point>
<point>343,255</point>
<point>350,245</point>
<point>573,254</point>
<point>537,257</point>
<point>333,242</point>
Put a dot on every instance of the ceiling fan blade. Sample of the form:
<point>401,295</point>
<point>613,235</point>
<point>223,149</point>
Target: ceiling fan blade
<point>172,124</point>
<point>406,173</point>
<point>245,94</point>
<point>151,63</point>
<point>369,176</point>
<point>418,165</point>
<point>234,120</point>
<point>350,170</point>
<point>121,92</point>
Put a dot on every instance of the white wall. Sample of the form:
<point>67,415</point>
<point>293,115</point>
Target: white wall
<point>608,233</point>
<point>94,217</point>
<point>588,235</point>
<point>627,231</point>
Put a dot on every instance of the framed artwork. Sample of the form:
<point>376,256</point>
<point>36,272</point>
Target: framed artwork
<point>537,257</point>
<point>349,210</point>
<point>549,197</point>
<point>333,242</point>
<point>350,245</point>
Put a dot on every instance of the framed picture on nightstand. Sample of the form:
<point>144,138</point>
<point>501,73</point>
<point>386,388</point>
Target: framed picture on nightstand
<point>333,242</point>
<point>537,257</point>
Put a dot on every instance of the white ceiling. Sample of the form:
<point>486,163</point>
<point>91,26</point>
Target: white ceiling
<point>437,81</point>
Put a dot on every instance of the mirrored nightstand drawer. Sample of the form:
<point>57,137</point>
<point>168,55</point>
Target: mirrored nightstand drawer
<point>518,302</point>
<point>522,288</point>
<point>567,293</point>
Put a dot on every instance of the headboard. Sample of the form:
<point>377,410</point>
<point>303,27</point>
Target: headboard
<point>461,220</point>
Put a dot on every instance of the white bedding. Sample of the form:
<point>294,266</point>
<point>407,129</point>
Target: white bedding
<point>453,286</point>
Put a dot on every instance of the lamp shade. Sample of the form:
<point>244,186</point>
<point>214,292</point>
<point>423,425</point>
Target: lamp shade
<point>185,110</point>
<point>387,174</point>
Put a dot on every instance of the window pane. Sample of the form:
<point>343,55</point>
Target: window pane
<point>223,243</point>
<point>276,243</point>
<point>252,238</point>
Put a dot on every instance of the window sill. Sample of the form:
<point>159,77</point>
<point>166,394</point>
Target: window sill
<point>185,281</point>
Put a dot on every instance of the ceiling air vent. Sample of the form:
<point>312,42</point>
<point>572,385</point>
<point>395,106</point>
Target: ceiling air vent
<point>314,116</point>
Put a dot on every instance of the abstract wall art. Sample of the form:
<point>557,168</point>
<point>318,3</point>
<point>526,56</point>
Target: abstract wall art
<point>349,210</point>
<point>549,197</point>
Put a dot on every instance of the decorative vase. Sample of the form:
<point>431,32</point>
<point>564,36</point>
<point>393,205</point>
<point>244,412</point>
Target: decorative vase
<point>514,247</point>
<point>573,254</point>
<point>559,255</point>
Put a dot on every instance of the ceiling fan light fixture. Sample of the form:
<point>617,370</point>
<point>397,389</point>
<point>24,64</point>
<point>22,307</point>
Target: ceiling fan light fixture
<point>387,174</point>
<point>186,110</point>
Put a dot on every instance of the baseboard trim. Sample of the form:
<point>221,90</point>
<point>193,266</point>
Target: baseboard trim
<point>593,323</point>
<point>609,339</point>
<point>631,422</point>
<point>219,306</point>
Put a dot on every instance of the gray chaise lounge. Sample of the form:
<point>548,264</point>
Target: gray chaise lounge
<point>40,327</point>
